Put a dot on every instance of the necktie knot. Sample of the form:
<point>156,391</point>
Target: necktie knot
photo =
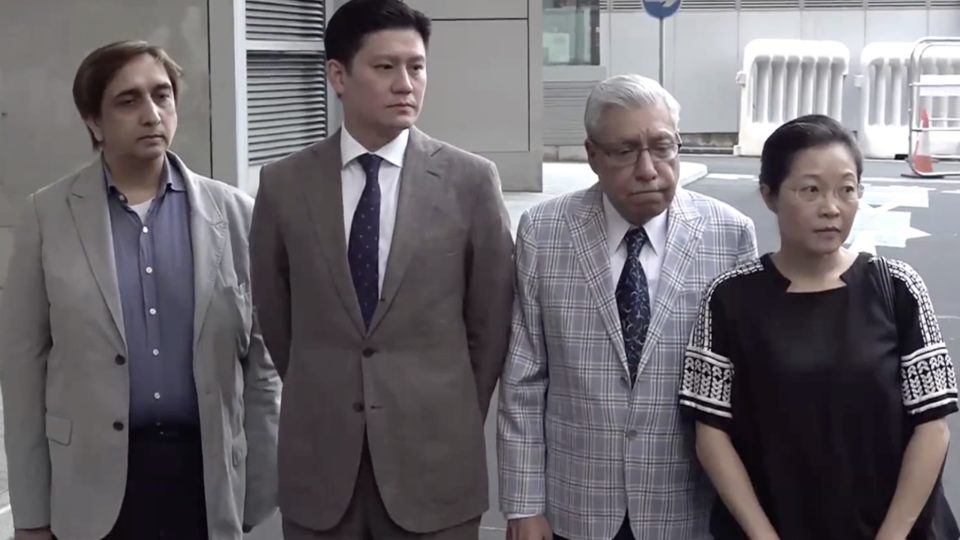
<point>371,165</point>
<point>635,239</point>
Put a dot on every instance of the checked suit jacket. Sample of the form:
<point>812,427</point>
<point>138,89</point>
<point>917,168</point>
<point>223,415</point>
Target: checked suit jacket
<point>576,442</point>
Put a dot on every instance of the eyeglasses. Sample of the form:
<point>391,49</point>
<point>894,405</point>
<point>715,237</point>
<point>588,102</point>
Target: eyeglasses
<point>847,193</point>
<point>628,154</point>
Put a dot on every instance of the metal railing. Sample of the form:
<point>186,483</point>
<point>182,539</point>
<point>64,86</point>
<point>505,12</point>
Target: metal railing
<point>934,105</point>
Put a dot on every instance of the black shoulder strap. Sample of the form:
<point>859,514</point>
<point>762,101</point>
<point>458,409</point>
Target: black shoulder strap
<point>886,286</point>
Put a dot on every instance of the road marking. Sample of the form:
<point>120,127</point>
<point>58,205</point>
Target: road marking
<point>866,180</point>
<point>878,224</point>
<point>727,176</point>
<point>870,179</point>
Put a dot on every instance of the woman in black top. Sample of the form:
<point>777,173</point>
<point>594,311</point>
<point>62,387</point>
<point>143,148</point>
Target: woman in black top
<point>818,377</point>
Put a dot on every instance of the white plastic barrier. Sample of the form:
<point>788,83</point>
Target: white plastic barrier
<point>884,114</point>
<point>786,78</point>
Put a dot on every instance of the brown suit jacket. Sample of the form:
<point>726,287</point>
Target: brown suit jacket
<point>419,382</point>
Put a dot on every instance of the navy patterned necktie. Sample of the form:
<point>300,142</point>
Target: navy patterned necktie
<point>633,301</point>
<point>363,250</point>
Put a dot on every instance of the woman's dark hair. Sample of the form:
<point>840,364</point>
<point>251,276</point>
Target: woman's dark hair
<point>356,19</point>
<point>797,135</point>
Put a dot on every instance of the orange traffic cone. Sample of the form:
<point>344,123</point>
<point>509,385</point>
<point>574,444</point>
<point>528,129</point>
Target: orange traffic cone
<point>922,161</point>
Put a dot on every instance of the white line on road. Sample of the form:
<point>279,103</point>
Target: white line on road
<point>727,176</point>
<point>869,179</point>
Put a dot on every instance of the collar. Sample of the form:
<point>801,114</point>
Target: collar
<point>172,178</point>
<point>392,152</point>
<point>617,227</point>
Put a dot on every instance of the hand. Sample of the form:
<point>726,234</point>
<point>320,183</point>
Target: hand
<point>33,534</point>
<point>531,528</point>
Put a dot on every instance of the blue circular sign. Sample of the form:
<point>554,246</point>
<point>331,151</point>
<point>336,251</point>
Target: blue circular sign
<point>661,9</point>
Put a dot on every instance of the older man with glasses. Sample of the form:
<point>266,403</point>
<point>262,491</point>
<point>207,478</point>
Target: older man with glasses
<point>591,443</point>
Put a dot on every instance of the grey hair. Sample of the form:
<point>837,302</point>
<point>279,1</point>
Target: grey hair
<point>627,92</point>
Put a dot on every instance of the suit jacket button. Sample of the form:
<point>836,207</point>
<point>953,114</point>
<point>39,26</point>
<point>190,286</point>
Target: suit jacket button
<point>118,426</point>
<point>368,352</point>
<point>358,406</point>
<point>120,360</point>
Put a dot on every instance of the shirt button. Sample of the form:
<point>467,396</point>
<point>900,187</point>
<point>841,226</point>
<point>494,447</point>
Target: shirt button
<point>146,230</point>
<point>358,406</point>
<point>368,352</point>
<point>156,395</point>
<point>156,352</point>
<point>149,270</point>
<point>118,426</point>
<point>120,360</point>
<point>153,311</point>
<point>632,434</point>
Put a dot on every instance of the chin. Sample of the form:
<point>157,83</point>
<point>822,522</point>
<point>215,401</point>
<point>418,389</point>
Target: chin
<point>404,122</point>
<point>824,248</point>
<point>151,154</point>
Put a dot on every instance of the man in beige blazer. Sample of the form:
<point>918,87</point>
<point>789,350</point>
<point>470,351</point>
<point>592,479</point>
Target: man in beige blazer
<point>138,398</point>
<point>382,275</point>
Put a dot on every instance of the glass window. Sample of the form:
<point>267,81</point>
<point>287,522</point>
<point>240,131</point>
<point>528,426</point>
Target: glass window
<point>571,32</point>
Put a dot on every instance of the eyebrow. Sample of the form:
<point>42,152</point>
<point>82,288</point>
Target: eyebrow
<point>133,92</point>
<point>393,58</point>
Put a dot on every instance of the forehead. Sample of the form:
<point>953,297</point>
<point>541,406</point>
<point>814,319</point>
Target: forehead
<point>141,73</point>
<point>393,42</point>
<point>828,161</point>
<point>635,124</point>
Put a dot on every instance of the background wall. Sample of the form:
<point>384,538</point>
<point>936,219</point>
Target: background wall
<point>41,136</point>
<point>493,105</point>
<point>704,52</point>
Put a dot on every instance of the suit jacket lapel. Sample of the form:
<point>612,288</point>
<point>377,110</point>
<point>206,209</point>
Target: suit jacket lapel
<point>684,232</point>
<point>88,204</point>
<point>419,181</point>
<point>209,236</point>
<point>323,191</point>
<point>588,229</point>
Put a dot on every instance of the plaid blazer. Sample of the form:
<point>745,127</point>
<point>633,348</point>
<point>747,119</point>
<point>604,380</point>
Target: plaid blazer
<point>575,442</point>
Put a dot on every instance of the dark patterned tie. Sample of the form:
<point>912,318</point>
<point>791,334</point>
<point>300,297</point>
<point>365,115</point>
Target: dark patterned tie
<point>363,251</point>
<point>633,301</point>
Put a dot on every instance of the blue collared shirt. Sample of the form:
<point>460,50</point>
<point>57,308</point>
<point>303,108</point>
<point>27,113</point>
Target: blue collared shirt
<point>154,263</point>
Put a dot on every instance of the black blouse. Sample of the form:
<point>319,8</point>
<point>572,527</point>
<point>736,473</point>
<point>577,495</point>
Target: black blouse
<point>820,393</point>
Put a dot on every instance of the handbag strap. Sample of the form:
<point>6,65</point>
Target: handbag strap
<point>886,286</point>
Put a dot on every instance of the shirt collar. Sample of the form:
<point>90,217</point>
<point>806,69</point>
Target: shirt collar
<point>392,152</point>
<point>617,227</point>
<point>171,176</point>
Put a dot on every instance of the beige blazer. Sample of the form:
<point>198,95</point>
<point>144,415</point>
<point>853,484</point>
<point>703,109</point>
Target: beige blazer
<point>61,328</point>
<point>419,382</point>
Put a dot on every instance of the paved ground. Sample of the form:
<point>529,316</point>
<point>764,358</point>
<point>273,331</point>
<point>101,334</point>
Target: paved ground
<point>912,220</point>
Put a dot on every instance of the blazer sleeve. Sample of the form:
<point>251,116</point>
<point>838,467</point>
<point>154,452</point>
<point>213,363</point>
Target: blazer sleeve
<point>261,398</point>
<point>521,446</point>
<point>25,343</point>
<point>270,274</point>
<point>489,287</point>
<point>747,248</point>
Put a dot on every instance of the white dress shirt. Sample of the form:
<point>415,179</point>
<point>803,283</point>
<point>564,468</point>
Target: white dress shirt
<point>354,179</point>
<point>651,255</point>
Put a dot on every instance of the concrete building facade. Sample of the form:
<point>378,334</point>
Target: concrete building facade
<point>255,84</point>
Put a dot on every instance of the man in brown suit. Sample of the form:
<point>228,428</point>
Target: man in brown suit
<point>383,280</point>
